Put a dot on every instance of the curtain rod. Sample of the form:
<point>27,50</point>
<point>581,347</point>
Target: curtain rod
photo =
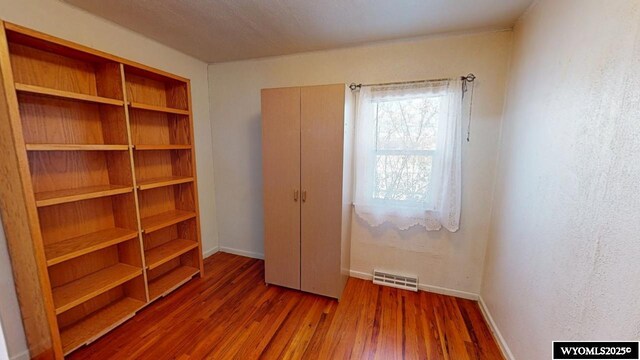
<point>469,78</point>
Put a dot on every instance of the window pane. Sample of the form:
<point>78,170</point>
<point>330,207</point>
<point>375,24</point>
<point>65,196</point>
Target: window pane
<point>409,124</point>
<point>402,177</point>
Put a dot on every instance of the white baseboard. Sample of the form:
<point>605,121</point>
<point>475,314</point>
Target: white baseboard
<point>250,254</point>
<point>21,356</point>
<point>360,275</point>
<point>450,292</point>
<point>210,252</point>
<point>424,287</point>
<point>506,352</point>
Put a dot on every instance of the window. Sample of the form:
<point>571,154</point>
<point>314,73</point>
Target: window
<point>406,140</point>
<point>407,154</point>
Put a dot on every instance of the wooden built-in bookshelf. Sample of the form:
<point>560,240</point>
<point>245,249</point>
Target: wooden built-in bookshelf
<point>101,195</point>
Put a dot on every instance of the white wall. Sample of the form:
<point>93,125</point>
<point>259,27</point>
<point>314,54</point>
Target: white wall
<point>10,318</point>
<point>4,353</point>
<point>440,258</point>
<point>563,259</point>
<point>59,19</point>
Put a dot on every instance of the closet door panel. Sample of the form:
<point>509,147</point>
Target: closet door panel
<point>322,123</point>
<point>281,173</point>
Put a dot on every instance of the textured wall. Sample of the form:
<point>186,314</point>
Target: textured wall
<point>439,258</point>
<point>4,353</point>
<point>59,19</point>
<point>563,261</point>
<point>10,319</point>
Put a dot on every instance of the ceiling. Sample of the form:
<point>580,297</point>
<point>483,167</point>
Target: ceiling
<point>227,30</point>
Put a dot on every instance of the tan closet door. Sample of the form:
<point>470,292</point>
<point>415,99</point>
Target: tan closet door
<point>322,109</point>
<point>281,171</point>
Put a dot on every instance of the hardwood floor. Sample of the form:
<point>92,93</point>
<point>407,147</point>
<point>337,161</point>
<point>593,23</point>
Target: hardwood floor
<point>232,314</point>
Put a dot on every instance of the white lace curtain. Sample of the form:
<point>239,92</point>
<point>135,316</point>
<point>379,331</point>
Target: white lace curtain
<point>408,163</point>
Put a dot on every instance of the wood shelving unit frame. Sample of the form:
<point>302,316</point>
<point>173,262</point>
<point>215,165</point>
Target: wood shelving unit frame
<point>99,184</point>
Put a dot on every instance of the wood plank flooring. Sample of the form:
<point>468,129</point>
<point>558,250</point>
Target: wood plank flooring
<point>232,314</point>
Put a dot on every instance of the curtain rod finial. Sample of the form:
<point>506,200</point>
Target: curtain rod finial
<point>354,86</point>
<point>470,77</point>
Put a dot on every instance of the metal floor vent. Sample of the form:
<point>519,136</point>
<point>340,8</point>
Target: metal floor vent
<point>397,281</point>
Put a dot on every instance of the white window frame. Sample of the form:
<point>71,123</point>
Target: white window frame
<point>381,152</point>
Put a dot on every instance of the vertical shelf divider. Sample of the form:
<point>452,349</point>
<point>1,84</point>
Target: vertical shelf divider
<point>135,183</point>
<point>195,183</point>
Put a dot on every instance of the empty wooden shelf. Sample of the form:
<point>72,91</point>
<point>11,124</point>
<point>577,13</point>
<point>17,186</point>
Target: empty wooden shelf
<point>76,292</point>
<point>170,255</point>
<point>99,166</point>
<point>154,90</point>
<point>67,249</point>
<point>170,280</point>
<point>75,147</point>
<point>66,94</point>
<point>48,120</point>
<point>159,221</point>
<point>170,250</point>
<point>67,195</point>
<point>151,147</point>
<point>164,109</point>
<point>159,118</point>
<point>94,325</point>
<point>163,181</point>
